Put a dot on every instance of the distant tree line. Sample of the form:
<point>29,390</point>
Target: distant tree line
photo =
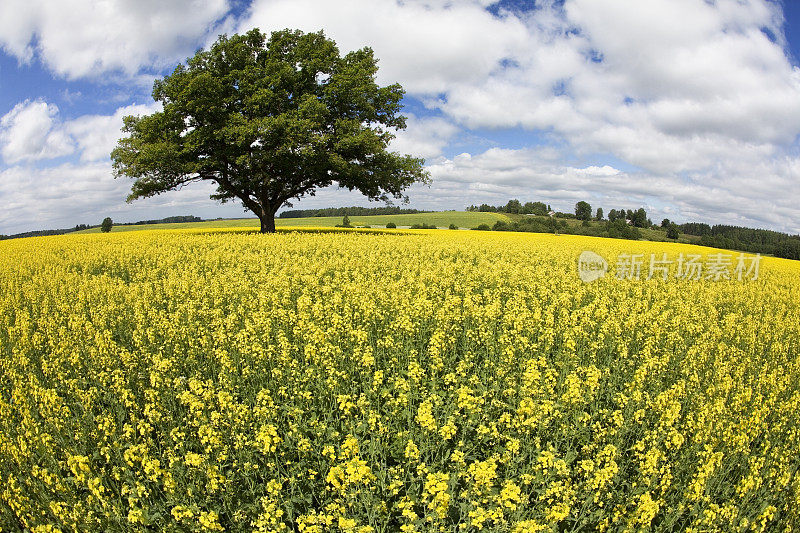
<point>81,227</point>
<point>353,211</point>
<point>515,207</point>
<point>618,229</point>
<point>625,224</point>
<point>745,239</point>
<point>636,217</point>
<point>39,233</point>
<point>583,211</point>
<point>167,220</point>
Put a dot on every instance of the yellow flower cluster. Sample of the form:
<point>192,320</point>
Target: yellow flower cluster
<point>375,382</point>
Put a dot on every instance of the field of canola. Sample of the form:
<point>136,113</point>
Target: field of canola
<point>437,381</point>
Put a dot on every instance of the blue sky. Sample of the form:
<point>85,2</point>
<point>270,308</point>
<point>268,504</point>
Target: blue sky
<point>687,107</point>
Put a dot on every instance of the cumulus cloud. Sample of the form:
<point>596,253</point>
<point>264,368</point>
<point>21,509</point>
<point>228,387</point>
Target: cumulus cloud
<point>605,170</point>
<point>97,135</point>
<point>425,45</point>
<point>666,85</point>
<point>76,38</point>
<point>33,131</point>
<point>28,132</point>
<point>424,137</point>
<point>69,194</point>
<point>646,82</point>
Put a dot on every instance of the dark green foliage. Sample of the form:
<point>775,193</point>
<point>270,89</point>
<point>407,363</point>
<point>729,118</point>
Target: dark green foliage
<point>502,226</point>
<point>453,226</point>
<point>696,228</point>
<point>355,211</point>
<point>42,233</point>
<point>599,215</point>
<point>672,231</point>
<point>423,226</point>
<point>391,225</point>
<point>748,240</point>
<point>513,206</point>
<point>345,223</point>
<point>166,220</point>
<point>106,225</point>
<point>269,121</point>
<point>583,211</point>
<point>639,218</point>
<point>483,227</point>
<point>788,248</point>
<point>619,229</point>
<point>537,208</point>
<point>665,223</point>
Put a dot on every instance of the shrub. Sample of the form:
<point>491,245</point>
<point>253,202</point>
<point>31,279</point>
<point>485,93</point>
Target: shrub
<point>672,231</point>
<point>500,226</point>
<point>391,225</point>
<point>619,229</point>
<point>345,223</point>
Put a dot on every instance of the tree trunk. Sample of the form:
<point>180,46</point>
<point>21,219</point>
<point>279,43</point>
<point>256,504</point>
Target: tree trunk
<point>267,222</point>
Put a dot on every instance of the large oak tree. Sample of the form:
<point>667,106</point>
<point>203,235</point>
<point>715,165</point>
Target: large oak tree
<point>269,121</point>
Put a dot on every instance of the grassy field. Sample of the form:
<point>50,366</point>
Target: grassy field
<point>650,234</point>
<point>441,219</point>
<point>379,381</point>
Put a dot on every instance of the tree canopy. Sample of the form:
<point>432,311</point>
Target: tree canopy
<point>583,211</point>
<point>269,121</point>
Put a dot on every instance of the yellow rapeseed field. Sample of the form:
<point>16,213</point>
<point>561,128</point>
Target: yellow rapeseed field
<point>430,381</point>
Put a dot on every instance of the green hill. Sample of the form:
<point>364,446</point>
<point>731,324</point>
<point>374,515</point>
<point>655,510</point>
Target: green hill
<point>440,219</point>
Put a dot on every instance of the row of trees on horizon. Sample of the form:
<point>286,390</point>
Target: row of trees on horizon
<point>583,211</point>
<point>724,236</point>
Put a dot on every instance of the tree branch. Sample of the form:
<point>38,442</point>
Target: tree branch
<point>248,202</point>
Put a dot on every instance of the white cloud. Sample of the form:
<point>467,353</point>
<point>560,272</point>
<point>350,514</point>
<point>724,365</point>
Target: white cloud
<point>33,131</point>
<point>605,170</point>
<point>424,137</point>
<point>76,38</point>
<point>97,135</point>
<point>426,46</point>
<point>28,133</point>
<point>70,194</point>
<point>674,84</point>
